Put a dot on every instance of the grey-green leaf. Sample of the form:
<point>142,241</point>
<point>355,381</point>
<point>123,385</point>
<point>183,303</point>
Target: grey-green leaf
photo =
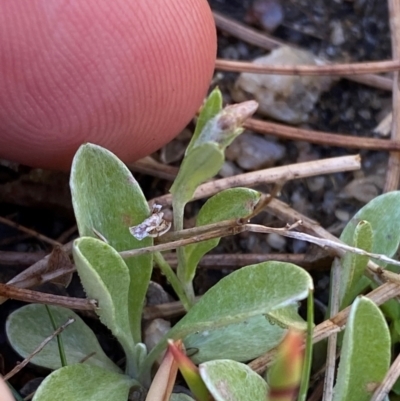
<point>270,328</point>
<point>365,355</point>
<point>240,341</point>
<point>353,265</point>
<point>82,382</point>
<point>202,163</point>
<point>229,204</point>
<point>383,214</point>
<point>29,325</point>
<point>105,278</point>
<point>107,201</point>
<point>210,109</point>
<point>229,380</point>
<point>251,291</point>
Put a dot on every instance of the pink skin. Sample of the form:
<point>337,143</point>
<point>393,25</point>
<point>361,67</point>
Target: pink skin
<point>125,74</point>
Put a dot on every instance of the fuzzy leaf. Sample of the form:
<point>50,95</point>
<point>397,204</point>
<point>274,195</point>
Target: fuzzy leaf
<point>212,344</point>
<point>82,382</point>
<point>229,204</point>
<point>105,278</point>
<point>210,109</point>
<point>353,265</point>
<point>230,380</point>
<point>107,201</point>
<point>227,342</point>
<point>202,163</point>
<point>29,325</point>
<point>383,214</point>
<point>365,356</point>
<point>246,293</point>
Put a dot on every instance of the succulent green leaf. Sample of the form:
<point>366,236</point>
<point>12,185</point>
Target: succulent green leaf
<point>365,356</point>
<point>229,204</point>
<point>107,201</point>
<point>202,163</point>
<point>246,293</point>
<point>383,214</point>
<point>353,265</point>
<point>82,382</point>
<point>210,109</point>
<point>230,380</point>
<point>105,278</point>
<point>29,325</point>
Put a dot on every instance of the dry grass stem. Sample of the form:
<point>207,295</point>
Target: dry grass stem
<point>272,175</point>
<point>232,227</point>
<point>393,170</point>
<point>328,69</point>
<point>37,350</point>
<point>319,137</point>
<point>309,260</point>
<point>245,33</point>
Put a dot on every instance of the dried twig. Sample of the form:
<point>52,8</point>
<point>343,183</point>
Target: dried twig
<point>22,294</point>
<point>326,69</point>
<point>28,231</point>
<point>35,270</point>
<point>319,137</point>
<point>272,175</point>
<point>315,260</point>
<point>38,349</point>
<point>11,258</point>
<point>393,170</point>
<point>232,227</point>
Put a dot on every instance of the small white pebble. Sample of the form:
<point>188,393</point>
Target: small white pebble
<point>276,241</point>
<point>342,215</point>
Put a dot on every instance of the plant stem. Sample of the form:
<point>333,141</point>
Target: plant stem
<point>179,208</point>
<point>61,350</point>
<point>173,280</point>
<point>305,377</point>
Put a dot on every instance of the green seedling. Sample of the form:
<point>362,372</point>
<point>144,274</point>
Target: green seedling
<point>243,316</point>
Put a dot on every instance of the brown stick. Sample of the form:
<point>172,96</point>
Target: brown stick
<point>319,137</point>
<point>10,258</point>
<point>329,69</point>
<point>28,231</point>
<point>393,170</point>
<point>22,294</point>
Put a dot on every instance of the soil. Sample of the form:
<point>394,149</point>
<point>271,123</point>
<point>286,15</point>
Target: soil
<point>40,200</point>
